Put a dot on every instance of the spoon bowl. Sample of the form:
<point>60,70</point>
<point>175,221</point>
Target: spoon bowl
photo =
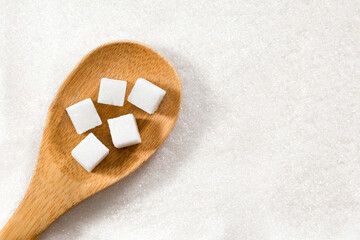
<point>59,182</point>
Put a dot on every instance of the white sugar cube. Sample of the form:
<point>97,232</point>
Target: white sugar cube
<point>90,152</point>
<point>124,131</point>
<point>84,115</point>
<point>112,92</point>
<point>146,95</point>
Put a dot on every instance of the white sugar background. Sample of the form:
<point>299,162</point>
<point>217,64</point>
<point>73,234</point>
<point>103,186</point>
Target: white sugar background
<point>267,143</point>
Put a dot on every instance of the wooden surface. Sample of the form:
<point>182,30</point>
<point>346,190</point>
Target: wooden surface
<point>59,182</point>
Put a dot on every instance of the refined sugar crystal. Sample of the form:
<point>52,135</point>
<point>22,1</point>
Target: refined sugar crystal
<point>112,92</point>
<point>146,95</point>
<point>124,131</point>
<point>90,152</point>
<point>84,115</point>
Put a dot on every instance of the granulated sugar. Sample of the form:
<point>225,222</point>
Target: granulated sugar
<point>266,145</point>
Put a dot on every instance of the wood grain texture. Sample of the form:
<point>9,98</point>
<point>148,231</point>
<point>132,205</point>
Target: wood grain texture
<point>59,182</point>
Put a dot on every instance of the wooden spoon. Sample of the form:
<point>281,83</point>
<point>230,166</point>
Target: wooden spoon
<point>59,182</point>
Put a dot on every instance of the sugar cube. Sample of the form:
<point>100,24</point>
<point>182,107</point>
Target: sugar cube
<point>84,115</point>
<point>146,95</point>
<point>112,92</point>
<point>90,152</point>
<point>124,131</point>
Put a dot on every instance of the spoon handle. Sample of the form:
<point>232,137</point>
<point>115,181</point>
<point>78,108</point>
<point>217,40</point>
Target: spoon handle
<point>49,195</point>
